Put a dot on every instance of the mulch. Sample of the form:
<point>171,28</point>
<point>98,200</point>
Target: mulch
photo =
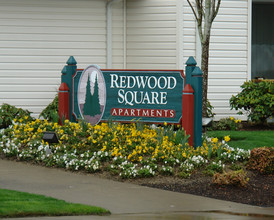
<point>258,192</point>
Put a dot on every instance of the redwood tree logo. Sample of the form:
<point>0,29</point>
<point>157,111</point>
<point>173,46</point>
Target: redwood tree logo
<point>92,95</point>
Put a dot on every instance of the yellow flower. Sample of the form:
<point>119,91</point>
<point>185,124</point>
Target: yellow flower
<point>104,148</point>
<point>165,124</point>
<point>37,120</point>
<point>231,118</point>
<point>227,138</point>
<point>214,140</point>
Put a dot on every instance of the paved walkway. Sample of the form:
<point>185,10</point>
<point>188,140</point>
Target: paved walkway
<point>125,201</point>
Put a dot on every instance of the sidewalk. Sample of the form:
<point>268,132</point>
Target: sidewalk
<point>122,199</point>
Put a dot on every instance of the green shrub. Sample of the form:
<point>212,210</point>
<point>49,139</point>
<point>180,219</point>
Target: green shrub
<point>209,110</point>
<point>9,112</point>
<point>256,100</point>
<point>262,160</point>
<point>51,111</point>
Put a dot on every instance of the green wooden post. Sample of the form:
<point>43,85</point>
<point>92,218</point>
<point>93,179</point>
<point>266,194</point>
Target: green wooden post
<point>67,73</point>
<point>197,84</point>
<point>190,66</point>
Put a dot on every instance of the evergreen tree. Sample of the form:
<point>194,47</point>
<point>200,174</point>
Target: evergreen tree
<point>96,108</point>
<point>88,103</point>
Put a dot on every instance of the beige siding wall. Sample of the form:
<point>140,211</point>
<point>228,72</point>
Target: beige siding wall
<point>36,39</point>
<point>38,36</point>
<point>118,45</point>
<point>151,34</point>
<point>228,68</point>
<point>189,33</point>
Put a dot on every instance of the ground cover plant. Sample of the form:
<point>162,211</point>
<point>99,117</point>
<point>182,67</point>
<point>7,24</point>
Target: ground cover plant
<point>229,123</point>
<point>20,204</point>
<point>9,112</point>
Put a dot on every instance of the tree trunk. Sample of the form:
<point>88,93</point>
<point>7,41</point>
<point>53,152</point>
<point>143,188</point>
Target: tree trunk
<point>204,67</point>
<point>205,12</point>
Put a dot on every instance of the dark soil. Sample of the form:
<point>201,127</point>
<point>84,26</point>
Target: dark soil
<point>248,126</point>
<point>258,192</point>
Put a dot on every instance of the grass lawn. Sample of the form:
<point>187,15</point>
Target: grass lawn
<point>20,204</point>
<point>246,139</point>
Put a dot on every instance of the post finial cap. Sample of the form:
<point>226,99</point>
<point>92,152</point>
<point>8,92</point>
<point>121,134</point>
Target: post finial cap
<point>197,71</point>
<point>71,61</point>
<point>64,70</point>
<point>191,61</point>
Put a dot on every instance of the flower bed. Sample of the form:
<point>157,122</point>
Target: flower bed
<point>128,150</point>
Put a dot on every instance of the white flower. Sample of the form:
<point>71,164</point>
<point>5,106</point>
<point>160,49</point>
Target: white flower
<point>40,148</point>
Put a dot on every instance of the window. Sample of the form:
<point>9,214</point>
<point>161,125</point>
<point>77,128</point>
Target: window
<point>262,40</point>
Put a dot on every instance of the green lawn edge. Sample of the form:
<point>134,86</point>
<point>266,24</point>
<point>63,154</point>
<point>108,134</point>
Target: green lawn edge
<point>246,139</point>
<point>21,204</point>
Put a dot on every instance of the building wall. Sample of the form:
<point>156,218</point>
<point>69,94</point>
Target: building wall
<point>118,35</point>
<point>229,55</point>
<point>38,36</point>
<point>36,39</point>
<point>151,34</point>
<point>153,42</point>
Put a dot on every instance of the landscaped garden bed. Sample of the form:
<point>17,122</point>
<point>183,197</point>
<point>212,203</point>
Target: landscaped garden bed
<point>147,155</point>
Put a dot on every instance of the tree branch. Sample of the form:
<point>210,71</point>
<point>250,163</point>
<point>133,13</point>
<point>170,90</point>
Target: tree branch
<point>216,10</point>
<point>193,10</point>
<point>199,5</point>
<point>212,8</point>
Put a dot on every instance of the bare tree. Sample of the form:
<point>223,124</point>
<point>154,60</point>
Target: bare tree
<point>205,12</point>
